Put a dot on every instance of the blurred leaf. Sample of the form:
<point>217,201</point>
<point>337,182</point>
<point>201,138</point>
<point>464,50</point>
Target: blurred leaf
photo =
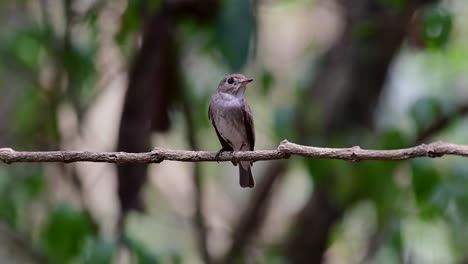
<point>100,252</point>
<point>397,5</point>
<point>8,208</point>
<point>396,238</point>
<point>234,30</point>
<point>437,26</point>
<point>34,185</point>
<point>23,47</point>
<point>176,259</point>
<point>27,48</point>
<point>425,178</point>
<point>364,30</point>
<point>64,235</point>
<point>29,127</point>
<point>132,20</point>
<point>27,107</point>
<point>79,63</point>
<point>374,180</point>
<point>458,186</point>
<point>393,139</point>
<point>424,111</point>
<point>274,254</point>
<point>284,123</point>
<point>142,254</point>
<point>267,81</point>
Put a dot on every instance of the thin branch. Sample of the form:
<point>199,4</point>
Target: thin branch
<point>284,151</point>
<point>442,122</point>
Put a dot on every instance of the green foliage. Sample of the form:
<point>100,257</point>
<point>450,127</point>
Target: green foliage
<point>274,255</point>
<point>65,233</point>
<point>425,179</point>
<point>8,208</point>
<point>424,111</point>
<point>453,190</point>
<point>23,48</point>
<point>79,63</point>
<point>132,21</point>
<point>143,256</point>
<point>26,46</point>
<point>100,251</point>
<point>234,30</point>
<point>30,127</point>
<point>397,5</point>
<point>392,139</point>
<point>267,81</point>
<point>437,26</point>
<point>19,187</point>
<point>284,123</point>
<point>364,30</point>
<point>29,104</point>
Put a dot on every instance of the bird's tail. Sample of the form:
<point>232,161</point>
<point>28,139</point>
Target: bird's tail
<point>245,175</point>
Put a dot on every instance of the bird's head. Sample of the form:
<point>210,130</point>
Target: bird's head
<point>234,84</point>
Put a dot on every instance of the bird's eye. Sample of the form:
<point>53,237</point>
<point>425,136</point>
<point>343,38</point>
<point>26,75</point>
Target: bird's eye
<point>230,81</point>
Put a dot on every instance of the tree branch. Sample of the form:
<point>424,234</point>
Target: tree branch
<point>283,151</point>
<point>442,122</point>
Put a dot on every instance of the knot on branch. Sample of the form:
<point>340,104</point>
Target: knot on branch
<point>432,150</point>
<point>354,156</point>
<point>284,149</point>
<point>5,154</point>
<point>155,155</point>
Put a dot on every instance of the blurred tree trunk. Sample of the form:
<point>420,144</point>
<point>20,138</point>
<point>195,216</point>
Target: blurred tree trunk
<point>146,103</point>
<point>153,86</point>
<point>346,92</point>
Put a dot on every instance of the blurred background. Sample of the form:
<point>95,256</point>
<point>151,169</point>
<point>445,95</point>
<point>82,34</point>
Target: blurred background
<point>102,75</point>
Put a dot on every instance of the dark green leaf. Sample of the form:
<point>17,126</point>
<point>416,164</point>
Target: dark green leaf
<point>34,185</point>
<point>396,237</point>
<point>65,233</point>
<point>8,209</point>
<point>397,5</point>
<point>393,139</point>
<point>284,123</point>
<point>26,121</point>
<point>425,179</point>
<point>364,30</point>
<point>132,20</point>
<point>267,81</point>
<point>27,49</point>
<point>425,111</point>
<point>142,254</point>
<point>100,252</point>
<point>235,28</point>
<point>79,64</point>
<point>437,26</point>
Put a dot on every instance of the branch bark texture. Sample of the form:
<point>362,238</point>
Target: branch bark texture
<point>283,151</point>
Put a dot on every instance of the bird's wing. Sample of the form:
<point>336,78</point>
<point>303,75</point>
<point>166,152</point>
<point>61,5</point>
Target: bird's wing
<point>249,124</point>
<point>224,143</point>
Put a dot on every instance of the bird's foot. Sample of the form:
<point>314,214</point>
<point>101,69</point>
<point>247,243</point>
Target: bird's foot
<point>218,155</point>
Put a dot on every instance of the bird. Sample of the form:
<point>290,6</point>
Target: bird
<point>232,119</point>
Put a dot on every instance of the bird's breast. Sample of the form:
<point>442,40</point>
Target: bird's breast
<point>229,120</point>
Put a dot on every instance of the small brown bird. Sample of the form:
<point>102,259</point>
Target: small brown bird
<point>233,121</point>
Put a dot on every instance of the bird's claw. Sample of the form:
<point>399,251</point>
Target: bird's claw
<point>218,155</point>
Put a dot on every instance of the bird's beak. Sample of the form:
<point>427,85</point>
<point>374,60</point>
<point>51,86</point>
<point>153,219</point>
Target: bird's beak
<point>247,80</point>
